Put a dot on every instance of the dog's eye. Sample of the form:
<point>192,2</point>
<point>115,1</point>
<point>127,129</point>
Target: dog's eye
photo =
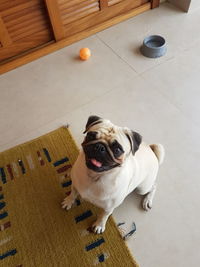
<point>91,136</point>
<point>117,152</point>
<point>117,149</point>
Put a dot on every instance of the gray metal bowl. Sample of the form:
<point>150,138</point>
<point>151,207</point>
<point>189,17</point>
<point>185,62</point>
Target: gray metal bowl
<point>154,46</point>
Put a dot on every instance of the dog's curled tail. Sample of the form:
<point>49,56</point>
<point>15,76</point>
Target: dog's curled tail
<point>159,151</point>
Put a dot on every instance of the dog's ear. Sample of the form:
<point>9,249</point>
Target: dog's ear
<point>92,120</point>
<point>135,140</point>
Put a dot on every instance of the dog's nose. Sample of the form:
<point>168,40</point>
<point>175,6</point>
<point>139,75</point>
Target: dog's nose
<point>99,148</point>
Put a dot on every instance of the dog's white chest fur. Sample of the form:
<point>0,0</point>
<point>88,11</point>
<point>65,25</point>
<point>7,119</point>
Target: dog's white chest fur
<point>110,189</point>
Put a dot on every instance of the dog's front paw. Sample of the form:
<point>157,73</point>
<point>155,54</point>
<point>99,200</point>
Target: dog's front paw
<point>147,203</point>
<point>98,227</point>
<point>67,203</point>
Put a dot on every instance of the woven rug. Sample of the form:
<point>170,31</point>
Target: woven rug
<point>34,229</point>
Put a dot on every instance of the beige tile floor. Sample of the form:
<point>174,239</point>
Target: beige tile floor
<point>159,98</point>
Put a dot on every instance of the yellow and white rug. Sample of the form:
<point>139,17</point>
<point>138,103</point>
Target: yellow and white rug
<point>34,230</point>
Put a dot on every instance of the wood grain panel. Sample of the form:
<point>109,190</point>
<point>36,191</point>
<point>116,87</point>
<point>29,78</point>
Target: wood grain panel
<point>27,25</point>
<point>78,7</point>
<point>19,7</point>
<point>74,16</point>
<point>22,22</point>
<point>55,18</point>
<point>101,16</point>
<point>22,13</point>
<point>65,4</point>
<point>74,10</point>
<point>8,4</point>
<point>32,14</point>
<point>29,30</point>
<point>25,44</point>
<point>113,2</point>
<point>4,35</point>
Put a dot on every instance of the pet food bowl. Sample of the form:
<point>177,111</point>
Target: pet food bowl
<point>154,46</point>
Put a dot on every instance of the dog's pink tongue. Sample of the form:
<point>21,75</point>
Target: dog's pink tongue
<point>96,163</point>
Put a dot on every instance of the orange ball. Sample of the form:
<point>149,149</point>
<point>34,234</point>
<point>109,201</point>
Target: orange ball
<point>85,53</point>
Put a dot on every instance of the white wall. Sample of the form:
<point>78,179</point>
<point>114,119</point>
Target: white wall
<point>194,5</point>
<point>183,4</point>
<point>186,5</point>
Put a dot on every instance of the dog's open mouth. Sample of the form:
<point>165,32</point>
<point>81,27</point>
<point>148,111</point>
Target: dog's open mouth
<point>96,163</point>
<point>98,166</point>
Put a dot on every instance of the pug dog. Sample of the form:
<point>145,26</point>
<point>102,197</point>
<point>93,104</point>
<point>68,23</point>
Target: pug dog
<point>113,162</point>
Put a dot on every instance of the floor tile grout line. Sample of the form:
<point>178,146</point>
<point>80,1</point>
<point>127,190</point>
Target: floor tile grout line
<point>157,65</point>
<point>51,121</point>
<point>178,54</point>
<point>109,91</point>
<point>117,54</point>
<point>171,102</point>
<point>58,118</point>
<point>138,73</point>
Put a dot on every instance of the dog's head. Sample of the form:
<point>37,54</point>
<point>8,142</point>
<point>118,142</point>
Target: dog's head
<point>106,145</point>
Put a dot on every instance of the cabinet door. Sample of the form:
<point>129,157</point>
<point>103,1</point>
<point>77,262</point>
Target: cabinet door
<point>79,15</point>
<point>24,24</point>
<point>73,10</point>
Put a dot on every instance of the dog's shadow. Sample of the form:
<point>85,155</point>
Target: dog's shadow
<point>137,51</point>
<point>130,206</point>
<point>137,201</point>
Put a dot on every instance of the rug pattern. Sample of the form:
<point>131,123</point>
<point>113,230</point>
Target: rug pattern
<point>34,230</point>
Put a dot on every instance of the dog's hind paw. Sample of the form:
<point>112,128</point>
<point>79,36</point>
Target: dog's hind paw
<point>148,199</point>
<point>147,203</point>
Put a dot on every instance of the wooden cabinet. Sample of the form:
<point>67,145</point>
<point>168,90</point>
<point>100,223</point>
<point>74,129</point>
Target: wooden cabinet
<point>23,25</point>
<point>72,11</point>
<point>31,28</point>
<point>89,13</point>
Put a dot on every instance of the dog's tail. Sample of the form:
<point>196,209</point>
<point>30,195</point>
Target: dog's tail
<point>159,151</point>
